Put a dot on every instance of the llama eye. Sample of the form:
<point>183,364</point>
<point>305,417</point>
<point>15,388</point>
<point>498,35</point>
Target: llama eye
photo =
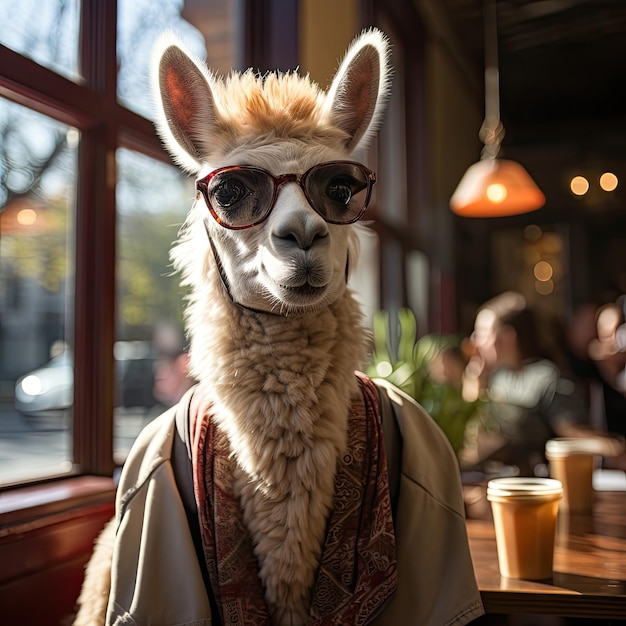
<point>228,192</point>
<point>339,191</point>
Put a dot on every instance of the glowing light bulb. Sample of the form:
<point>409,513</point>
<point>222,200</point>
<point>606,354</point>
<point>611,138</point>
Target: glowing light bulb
<point>496,192</point>
<point>608,181</point>
<point>579,185</point>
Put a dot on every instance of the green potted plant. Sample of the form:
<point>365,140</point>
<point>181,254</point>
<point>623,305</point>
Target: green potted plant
<point>428,369</point>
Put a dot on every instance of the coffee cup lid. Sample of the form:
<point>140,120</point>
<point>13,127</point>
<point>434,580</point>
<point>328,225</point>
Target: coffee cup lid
<point>562,446</point>
<point>521,487</point>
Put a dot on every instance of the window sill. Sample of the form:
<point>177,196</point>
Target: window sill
<point>26,508</point>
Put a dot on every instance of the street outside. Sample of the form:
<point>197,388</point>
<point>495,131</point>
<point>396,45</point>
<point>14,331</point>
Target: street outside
<point>33,448</point>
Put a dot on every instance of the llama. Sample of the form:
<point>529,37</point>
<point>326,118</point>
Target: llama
<point>280,509</point>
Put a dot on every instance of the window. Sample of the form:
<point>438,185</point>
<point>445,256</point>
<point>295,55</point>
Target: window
<point>149,349</point>
<point>91,341</point>
<point>46,32</point>
<point>37,176</point>
<point>134,52</point>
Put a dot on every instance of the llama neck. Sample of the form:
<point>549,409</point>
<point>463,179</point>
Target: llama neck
<point>281,389</point>
<point>289,364</point>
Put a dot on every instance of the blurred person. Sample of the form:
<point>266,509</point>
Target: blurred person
<point>529,400</point>
<point>595,358</point>
<point>579,333</point>
<point>479,348</point>
<point>607,349</point>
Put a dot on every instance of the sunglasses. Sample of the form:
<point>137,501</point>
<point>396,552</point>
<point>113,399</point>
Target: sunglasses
<point>242,196</point>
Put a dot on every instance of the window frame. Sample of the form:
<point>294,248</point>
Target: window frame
<point>105,125</point>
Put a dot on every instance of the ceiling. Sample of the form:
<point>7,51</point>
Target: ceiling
<point>560,60</point>
<point>562,90</point>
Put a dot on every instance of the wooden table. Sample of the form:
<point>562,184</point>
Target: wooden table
<point>589,578</point>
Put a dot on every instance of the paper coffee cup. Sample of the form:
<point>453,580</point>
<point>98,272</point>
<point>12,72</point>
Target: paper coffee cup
<point>572,461</point>
<point>524,515</point>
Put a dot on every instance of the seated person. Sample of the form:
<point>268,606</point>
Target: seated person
<point>529,401</point>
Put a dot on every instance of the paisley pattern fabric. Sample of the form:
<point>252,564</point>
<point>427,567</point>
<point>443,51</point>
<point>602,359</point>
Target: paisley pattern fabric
<point>358,569</point>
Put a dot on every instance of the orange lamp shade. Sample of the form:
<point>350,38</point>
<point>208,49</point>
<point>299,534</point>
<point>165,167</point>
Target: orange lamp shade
<point>496,188</point>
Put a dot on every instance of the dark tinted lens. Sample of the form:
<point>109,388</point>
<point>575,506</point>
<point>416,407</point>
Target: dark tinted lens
<point>338,191</point>
<point>240,196</point>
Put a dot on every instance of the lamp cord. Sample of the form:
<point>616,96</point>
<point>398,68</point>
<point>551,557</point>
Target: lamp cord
<point>492,131</point>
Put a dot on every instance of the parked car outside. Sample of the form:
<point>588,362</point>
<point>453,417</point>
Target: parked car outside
<point>48,391</point>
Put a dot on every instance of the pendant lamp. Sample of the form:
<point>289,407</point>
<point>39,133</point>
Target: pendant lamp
<point>494,187</point>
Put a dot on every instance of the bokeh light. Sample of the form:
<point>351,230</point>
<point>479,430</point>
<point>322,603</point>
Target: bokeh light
<point>608,181</point>
<point>384,368</point>
<point>544,288</point>
<point>543,271</point>
<point>532,232</point>
<point>26,217</point>
<point>579,185</point>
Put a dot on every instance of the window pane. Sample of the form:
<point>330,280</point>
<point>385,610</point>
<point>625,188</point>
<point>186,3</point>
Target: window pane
<point>46,32</point>
<point>206,27</point>
<point>140,22</point>
<point>37,176</point>
<point>152,201</point>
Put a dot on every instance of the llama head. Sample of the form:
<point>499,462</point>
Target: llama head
<point>278,195</point>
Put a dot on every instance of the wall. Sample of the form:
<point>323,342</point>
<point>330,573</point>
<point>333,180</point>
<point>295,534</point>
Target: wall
<point>322,40</point>
<point>454,114</point>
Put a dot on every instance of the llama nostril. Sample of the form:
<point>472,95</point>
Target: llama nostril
<point>314,241</point>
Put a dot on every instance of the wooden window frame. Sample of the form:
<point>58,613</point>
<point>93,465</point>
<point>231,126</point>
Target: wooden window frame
<point>91,106</point>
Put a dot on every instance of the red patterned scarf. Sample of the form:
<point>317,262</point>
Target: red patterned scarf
<point>358,569</point>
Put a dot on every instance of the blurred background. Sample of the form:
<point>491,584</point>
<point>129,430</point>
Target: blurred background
<point>91,337</point>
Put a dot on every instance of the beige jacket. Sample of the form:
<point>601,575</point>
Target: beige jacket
<point>156,578</point>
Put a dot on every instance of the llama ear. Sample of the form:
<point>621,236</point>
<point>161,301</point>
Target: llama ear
<point>358,94</point>
<point>185,102</point>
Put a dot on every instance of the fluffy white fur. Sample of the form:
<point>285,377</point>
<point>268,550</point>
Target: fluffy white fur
<point>275,334</point>
<point>282,387</point>
<point>94,594</point>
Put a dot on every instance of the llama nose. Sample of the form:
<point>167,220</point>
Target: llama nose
<point>301,228</point>
<point>295,220</point>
